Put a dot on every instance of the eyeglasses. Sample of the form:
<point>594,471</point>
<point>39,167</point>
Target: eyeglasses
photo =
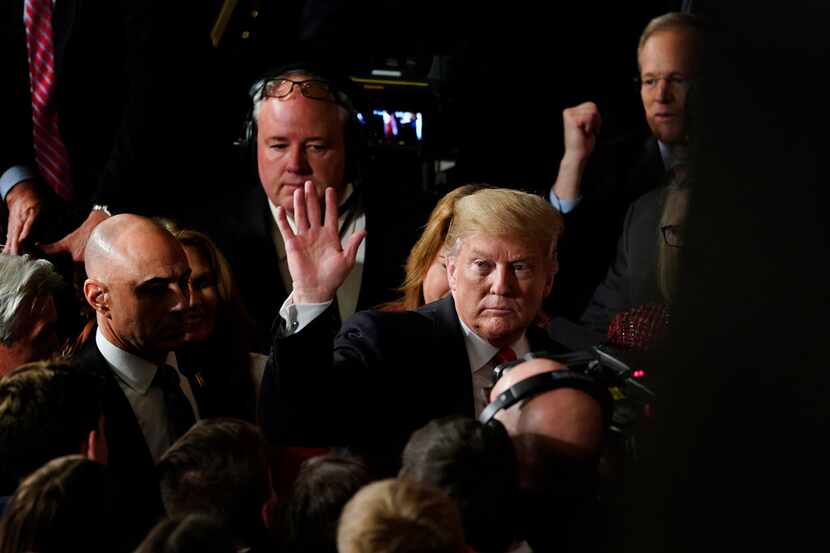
<point>673,235</point>
<point>311,88</point>
<point>674,81</point>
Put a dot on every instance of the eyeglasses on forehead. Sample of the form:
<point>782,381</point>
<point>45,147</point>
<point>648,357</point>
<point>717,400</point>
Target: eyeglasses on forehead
<point>316,89</point>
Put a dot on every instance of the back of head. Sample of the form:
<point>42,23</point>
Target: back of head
<point>47,410</point>
<point>310,514</point>
<point>219,467</point>
<point>66,505</point>
<point>506,213</point>
<point>193,533</point>
<point>398,516</point>
<point>458,455</point>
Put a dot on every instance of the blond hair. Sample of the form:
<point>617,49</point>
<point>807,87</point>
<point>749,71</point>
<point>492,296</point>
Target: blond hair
<point>506,213</point>
<point>672,21</point>
<point>399,516</point>
<point>427,248</point>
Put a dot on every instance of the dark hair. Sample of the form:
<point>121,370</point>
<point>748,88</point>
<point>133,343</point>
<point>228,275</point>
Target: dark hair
<point>194,533</point>
<point>219,467</point>
<point>308,519</point>
<point>66,505</point>
<point>47,409</point>
<point>474,464</point>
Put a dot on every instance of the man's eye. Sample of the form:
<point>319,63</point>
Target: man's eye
<point>482,265</point>
<point>278,146</point>
<point>649,82</point>
<point>521,267</point>
<point>317,147</point>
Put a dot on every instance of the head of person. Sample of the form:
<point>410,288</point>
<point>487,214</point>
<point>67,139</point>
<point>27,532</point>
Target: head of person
<point>220,468</point>
<point>670,241</point>
<point>308,518</point>
<point>475,465</point>
<point>28,316</point>
<point>558,434</point>
<point>66,505</point>
<point>501,261</point>
<point>668,57</point>
<point>138,285</point>
<point>426,266</point>
<point>213,293</point>
<point>193,533</point>
<point>300,120</point>
<point>47,410</point>
<point>400,516</point>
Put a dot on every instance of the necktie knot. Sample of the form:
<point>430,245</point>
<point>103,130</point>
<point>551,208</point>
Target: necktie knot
<point>504,355</point>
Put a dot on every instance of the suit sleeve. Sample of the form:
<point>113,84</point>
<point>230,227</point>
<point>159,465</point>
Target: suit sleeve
<point>612,295</point>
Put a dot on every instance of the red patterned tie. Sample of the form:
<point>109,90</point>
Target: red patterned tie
<point>50,151</point>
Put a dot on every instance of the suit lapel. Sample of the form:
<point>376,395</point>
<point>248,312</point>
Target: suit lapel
<point>449,346</point>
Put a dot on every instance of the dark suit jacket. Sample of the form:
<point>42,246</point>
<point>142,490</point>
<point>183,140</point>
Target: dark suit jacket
<point>620,172</point>
<point>129,457</point>
<point>247,241</point>
<point>383,376</point>
<point>632,278</point>
<point>117,63</point>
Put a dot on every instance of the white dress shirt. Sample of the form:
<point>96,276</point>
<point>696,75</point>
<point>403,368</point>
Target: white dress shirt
<point>480,353</point>
<point>349,292</point>
<point>135,377</point>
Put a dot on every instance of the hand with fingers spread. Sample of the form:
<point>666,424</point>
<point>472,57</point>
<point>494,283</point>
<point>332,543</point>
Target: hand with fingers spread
<point>316,259</point>
<point>23,202</point>
<point>582,124</point>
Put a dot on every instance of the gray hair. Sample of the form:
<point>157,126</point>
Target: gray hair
<point>24,283</point>
<point>257,93</point>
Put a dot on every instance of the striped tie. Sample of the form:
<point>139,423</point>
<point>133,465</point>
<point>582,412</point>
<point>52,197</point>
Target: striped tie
<point>50,151</point>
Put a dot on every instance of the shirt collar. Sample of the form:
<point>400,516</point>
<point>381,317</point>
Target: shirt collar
<point>480,351</point>
<point>135,372</point>
<point>672,155</point>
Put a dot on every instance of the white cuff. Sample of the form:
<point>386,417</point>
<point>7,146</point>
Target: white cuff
<point>298,316</point>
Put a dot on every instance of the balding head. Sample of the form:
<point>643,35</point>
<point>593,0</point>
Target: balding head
<point>137,285</point>
<point>572,420</point>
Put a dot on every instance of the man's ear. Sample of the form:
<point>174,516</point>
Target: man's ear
<point>97,296</point>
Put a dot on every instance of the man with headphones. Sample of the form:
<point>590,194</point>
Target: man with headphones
<point>304,127</point>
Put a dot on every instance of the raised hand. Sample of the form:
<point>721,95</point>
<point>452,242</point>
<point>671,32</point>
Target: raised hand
<point>582,124</point>
<point>316,259</point>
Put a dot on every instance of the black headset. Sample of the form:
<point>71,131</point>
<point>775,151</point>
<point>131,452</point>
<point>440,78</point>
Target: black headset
<point>573,376</point>
<point>343,93</point>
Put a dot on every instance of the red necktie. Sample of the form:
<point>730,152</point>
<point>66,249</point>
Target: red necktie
<point>504,355</point>
<point>50,151</point>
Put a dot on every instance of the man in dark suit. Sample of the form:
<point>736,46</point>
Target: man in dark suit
<point>303,127</point>
<point>596,194</point>
<point>137,285</point>
<point>114,65</point>
<point>388,373</point>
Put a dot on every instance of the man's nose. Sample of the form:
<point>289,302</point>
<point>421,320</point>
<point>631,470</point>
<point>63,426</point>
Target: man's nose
<point>664,90</point>
<point>503,280</point>
<point>297,161</point>
<point>195,299</point>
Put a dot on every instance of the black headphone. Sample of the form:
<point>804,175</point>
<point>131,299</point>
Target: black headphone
<point>573,376</point>
<point>343,94</point>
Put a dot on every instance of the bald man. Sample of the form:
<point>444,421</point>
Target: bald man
<point>558,436</point>
<point>137,285</point>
